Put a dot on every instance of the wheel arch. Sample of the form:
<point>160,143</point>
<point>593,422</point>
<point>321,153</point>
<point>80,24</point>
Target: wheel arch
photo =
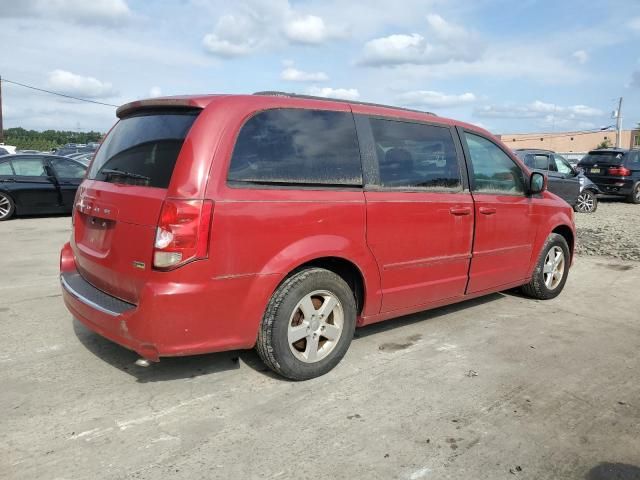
<point>567,233</point>
<point>345,269</point>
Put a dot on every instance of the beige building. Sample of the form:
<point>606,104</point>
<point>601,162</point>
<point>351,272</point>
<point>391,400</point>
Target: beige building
<point>569,142</point>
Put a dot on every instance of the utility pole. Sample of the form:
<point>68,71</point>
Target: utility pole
<point>1,127</point>
<point>619,123</point>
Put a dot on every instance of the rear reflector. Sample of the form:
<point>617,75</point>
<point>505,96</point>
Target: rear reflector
<point>182,234</point>
<point>619,171</point>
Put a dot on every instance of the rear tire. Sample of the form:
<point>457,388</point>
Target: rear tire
<point>634,196</point>
<point>551,270</point>
<point>308,324</point>
<point>587,202</point>
<point>7,206</point>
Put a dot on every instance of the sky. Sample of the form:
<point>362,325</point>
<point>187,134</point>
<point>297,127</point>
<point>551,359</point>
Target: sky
<point>508,66</point>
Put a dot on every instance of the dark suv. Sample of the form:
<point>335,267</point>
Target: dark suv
<point>616,171</point>
<point>568,183</point>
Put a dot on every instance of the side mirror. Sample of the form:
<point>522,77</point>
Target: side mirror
<point>537,183</point>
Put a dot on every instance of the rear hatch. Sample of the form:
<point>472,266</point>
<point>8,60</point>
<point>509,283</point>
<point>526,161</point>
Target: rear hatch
<point>599,165</point>
<point>119,203</point>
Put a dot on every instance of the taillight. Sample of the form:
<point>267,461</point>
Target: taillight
<point>182,234</point>
<point>619,171</point>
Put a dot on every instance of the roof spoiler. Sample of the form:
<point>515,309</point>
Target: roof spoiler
<point>156,103</point>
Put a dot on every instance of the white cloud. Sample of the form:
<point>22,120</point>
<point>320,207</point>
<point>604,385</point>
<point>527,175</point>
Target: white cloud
<point>445,42</point>
<point>634,23</point>
<point>255,25</point>
<point>233,36</point>
<point>538,109</point>
<point>72,84</point>
<point>341,93</point>
<point>308,29</point>
<point>292,74</point>
<point>428,98</point>
<point>155,92</point>
<point>581,56</point>
<point>80,11</point>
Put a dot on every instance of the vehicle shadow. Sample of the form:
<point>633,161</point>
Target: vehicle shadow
<point>170,368</point>
<point>426,315</point>
<point>613,471</point>
<point>174,368</point>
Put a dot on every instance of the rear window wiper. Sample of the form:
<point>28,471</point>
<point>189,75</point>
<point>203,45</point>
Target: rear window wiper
<point>108,172</point>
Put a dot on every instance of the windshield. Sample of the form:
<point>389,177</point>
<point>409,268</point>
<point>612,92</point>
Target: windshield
<point>143,149</point>
<point>602,158</point>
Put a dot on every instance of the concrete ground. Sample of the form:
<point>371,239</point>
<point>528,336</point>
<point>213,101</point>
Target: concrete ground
<point>501,387</point>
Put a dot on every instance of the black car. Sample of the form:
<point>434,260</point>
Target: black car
<point>615,170</point>
<point>31,184</point>
<point>565,181</point>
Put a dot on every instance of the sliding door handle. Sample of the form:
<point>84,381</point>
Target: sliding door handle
<point>487,210</point>
<point>460,210</point>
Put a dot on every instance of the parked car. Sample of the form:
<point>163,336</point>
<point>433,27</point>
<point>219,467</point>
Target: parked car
<point>616,171</point>
<point>73,148</point>
<point>3,151</point>
<point>84,158</point>
<point>210,223</point>
<point>38,184</point>
<point>565,181</point>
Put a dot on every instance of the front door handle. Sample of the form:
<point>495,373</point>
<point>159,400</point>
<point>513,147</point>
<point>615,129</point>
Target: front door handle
<point>487,210</point>
<point>460,210</point>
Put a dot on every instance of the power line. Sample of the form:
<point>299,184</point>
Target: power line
<point>59,94</point>
<point>514,136</point>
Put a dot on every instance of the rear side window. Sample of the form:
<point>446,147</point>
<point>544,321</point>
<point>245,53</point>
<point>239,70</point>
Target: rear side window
<point>143,149</point>
<point>5,168</point>
<point>493,170</point>
<point>414,155</point>
<point>537,161</point>
<point>633,160</point>
<point>296,146</point>
<point>29,167</point>
<point>68,168</point>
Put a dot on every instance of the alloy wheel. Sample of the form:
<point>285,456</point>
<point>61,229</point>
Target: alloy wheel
<point>315,326</point>
<point>5,206</point>
<point>553,269</point>
<point>585,202</point>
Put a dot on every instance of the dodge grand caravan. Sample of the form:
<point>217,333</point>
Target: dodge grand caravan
<point>282,222</point>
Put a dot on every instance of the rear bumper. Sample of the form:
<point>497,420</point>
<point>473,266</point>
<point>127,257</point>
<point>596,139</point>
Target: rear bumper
<point>615,187</point>
<point>172,318</point>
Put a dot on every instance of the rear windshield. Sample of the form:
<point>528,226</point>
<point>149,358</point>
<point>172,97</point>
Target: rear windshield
<point>603,158</point>
<point>143,149</point>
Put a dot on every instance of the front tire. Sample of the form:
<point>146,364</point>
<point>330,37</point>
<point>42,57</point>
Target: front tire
<point>587,202</point>
<point>551,271</point>
<point>7,206</point>
<point>308,324</point>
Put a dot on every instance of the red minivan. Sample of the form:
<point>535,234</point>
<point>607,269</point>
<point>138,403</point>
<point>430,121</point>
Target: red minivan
<point>282,222</point>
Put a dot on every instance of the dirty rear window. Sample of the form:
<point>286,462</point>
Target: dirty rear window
<point>297,147</point>
<point>603,158</point>
<point>143,149</point>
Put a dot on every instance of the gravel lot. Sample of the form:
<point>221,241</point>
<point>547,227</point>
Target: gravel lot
<point>612,231</point>
<point>501,387</point>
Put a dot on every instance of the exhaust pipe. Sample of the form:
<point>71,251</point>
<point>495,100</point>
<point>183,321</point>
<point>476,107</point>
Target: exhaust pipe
<point>143,362</point>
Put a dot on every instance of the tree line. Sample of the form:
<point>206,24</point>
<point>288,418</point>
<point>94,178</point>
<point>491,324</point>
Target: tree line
<point>47,140</point>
